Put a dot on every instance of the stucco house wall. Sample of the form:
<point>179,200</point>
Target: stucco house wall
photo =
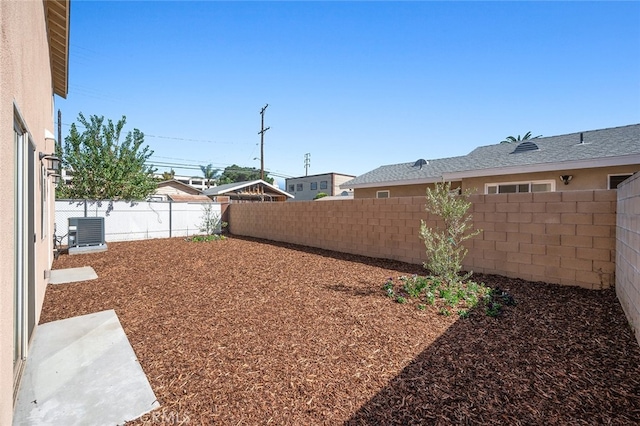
<point>583,179</point>
<point>398,191</point>
<point>26,95</point>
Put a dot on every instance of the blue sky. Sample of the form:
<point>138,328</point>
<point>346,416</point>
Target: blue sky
<point>355,84</point>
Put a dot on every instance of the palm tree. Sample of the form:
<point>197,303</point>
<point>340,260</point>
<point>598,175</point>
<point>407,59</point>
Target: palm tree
<point>511,139</point>
<point>209,173</point>
<point>168,175</point>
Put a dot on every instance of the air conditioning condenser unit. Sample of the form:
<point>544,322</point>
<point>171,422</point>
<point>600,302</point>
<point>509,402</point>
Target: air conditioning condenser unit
<point>86,234</point>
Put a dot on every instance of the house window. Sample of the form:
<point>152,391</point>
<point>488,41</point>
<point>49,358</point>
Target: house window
<point>292,188</point>
<point>382,194</point>
<point>323,184</point>
<point>314,186</point>
<point>299,187</point>
<point>615,180</point>
<point>520,187</point>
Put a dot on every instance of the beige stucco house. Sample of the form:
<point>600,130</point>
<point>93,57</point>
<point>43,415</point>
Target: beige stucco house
<point>596,159</point>
<point>33,67</point>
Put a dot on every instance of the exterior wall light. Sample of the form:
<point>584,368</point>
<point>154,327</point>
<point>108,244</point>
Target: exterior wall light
<point>566,179</point>
<point>53,166</point>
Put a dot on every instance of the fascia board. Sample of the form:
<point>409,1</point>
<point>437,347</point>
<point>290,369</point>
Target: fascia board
<point>546,167</point>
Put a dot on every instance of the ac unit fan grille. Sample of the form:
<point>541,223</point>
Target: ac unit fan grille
<point>89,230</point>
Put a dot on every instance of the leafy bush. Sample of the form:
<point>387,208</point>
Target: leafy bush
<point>206,238</point>
<point>460,297</point>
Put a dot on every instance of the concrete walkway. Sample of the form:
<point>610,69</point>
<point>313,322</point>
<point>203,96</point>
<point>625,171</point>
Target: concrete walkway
<point>72,275</point>
<point>82,371</point>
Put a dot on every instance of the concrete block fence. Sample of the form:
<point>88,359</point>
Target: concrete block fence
<point>628,250</point>
<point>558,237</point>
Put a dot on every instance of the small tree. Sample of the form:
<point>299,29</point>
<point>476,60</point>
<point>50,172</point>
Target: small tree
<point>235,173</point>
<point>211,221</point>
<point>445,251</point>
<point>104,167</point>
<point>320,195</point>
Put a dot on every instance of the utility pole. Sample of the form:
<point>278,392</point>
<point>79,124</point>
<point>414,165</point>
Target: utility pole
<point>307,163</point>
<point>261,132</point>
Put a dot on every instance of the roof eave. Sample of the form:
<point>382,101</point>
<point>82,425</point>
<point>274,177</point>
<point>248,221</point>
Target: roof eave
<point>57,18</point>
<point>622,160</point>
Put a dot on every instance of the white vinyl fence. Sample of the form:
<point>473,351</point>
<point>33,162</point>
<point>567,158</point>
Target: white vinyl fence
<point>138,220</point>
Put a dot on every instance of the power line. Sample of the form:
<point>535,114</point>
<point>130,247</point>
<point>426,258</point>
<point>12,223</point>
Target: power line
<point>169,137</point>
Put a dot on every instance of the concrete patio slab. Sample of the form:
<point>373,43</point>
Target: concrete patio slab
<point>72,275</point>
<point>82,371</point>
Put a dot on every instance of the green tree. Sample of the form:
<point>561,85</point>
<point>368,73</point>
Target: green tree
<point>209,174</point>
<point>104,168</point>
<point>235,173</point>
<point>445,251</point>
<point>527,136</point>
<point>167,175</point>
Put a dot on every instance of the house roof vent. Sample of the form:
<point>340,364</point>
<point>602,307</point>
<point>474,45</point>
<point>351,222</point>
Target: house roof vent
<point>525,147</point>
<point>421,162</point>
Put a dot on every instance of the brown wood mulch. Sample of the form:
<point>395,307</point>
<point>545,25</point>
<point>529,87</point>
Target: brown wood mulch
<point>248,332</point>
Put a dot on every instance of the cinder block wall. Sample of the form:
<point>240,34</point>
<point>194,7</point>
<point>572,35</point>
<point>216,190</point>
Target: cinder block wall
<point>628,250</point>
<point>558,237</point>
<point>565,238</point>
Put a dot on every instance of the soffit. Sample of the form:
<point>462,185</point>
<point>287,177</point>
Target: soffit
<point>58,31</point>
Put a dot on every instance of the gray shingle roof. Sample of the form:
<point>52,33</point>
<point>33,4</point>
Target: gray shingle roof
<point>598,145</point>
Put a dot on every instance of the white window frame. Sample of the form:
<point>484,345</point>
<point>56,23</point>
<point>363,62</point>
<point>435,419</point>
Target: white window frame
<point>609,176</point>
<point>525,182</point>
<point>379,193</point>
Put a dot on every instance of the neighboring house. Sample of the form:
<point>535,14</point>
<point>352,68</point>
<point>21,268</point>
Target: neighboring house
<point>597,159</point>
<point>194,181</point>
<point>305,188</point>
<point>249,191</point>
<point>177,191</point>
<point>34,47</point>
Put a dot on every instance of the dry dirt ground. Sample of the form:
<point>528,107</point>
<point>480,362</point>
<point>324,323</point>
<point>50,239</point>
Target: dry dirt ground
<point>248,332</point>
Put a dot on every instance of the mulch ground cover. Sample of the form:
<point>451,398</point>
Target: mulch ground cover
<point>248,332</point>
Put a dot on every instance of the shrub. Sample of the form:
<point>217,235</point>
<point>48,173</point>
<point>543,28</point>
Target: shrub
<point>211,221</point>
<point>445,251</point>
